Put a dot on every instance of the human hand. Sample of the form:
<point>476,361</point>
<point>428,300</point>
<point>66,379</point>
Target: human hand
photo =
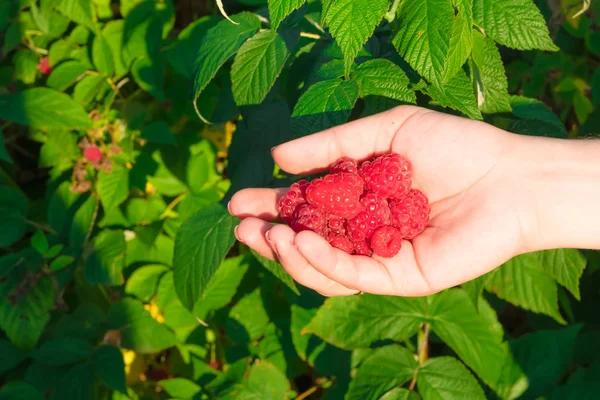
<point>479,218</point>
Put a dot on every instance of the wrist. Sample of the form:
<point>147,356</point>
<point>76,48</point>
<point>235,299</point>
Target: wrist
<point>558,181</point>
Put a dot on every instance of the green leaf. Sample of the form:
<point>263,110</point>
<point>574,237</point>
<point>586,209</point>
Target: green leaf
<point>11,356</point>
<point>82,221</point>
<point>109,367</point>
<point>144,281</point>
<point>222,286</point>
<point>476,341</point>
<point>352,22</point>
<point>219,44</point>
<point>474,288</point>
<point>257,64</point>
<point>386,368</point>
<point>25,62</point>
<point>565,266</point>
<point>523,282</point>
<point>12,226</point>
<point>113,34</point>
<point>400,394</point>
<point>277,270</point>
<point>113,187</point>
<point>180,388</point>
<point>248,319</point>
<point>381,317</point>
<point>3,153</point>
<point>39,242</point>
<point>201,244</point>
<point>382,77</point>
<point>447,378</point>
<point>535,118</point>
<point>456,94</point>
<point>76,384</point>
<point>461,41</point>
<point>139,331</point>
<point>80,11</point>
<point>43,108</point>
<point>60,150</point>
<point>250,163</point>
<point>102,55</point>
<point>106,262</point>
<point>54,250</point>
<point>280,9</point>
<point>324,105</point>
<point>264,382</point>
<point>423,38</point>
<point>182,54</point>
<point>24,320</point>
<point>158,132</point>
<point>555,347</point>
<point>63,351</point>
<point>61,262</point>
<point>148,74</point>
<point>513,23</point>
<point>66,74</point>
<point>20,391</point>
<point>489,76</point>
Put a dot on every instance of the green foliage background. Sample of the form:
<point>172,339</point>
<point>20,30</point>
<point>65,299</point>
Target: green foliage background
<point>122,279</point>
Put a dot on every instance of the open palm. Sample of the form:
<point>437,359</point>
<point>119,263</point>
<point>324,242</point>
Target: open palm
<point>463,166</point>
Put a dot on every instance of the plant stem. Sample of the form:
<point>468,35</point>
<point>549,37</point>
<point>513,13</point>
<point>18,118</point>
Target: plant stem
<point>307,393</point>
<point>41,227</point>
<point>310,35</point>
<point>423,340</point>
<point>391,14</point>
<point>172,205</point>
<point>92,222</point>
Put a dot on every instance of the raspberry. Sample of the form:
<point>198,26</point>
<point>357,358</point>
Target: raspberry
<point>309,218</point>
<point>344,164</point>
<point>386,241</point>
<point>341,242</point>
<point>336,225</point>
<point>388,175</point>
<point>294,197</point>
<point>410,214</point>
<point>337,194</point>
<point>375,213</point>
<point>362,248</point>
<point>93,154</point>
<point>44,66</point>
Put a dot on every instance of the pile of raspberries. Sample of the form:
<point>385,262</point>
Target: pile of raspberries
<point>360,209</point>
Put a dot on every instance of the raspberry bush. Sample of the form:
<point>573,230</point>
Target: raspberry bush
<point>126,126</point>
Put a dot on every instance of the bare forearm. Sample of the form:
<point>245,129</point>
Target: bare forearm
<point>562,181</point>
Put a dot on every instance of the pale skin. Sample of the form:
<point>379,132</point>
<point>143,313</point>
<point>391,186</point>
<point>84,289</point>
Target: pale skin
<point>493,194</point>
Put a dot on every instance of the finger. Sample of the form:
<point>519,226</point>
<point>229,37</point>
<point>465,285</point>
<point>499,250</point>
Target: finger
<point>357,139</point>
<point>259,203</point>
<point>281,238</point>
<point>251,232</point>
<point>370,275</point>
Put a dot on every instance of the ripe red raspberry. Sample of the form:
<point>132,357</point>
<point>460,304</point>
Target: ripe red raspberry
<point>341,242</point>
<point>336,225</point>
<point>44,66</point>
<point>362,248</point>
<point>388,175</point>
<point>93,154</point>
<point>410,213</point>
<point>294,197</point>
<point>309,218</point>
<point>386,241</point>
<point>337,194</point>
<point>345,164</point>
<point>375,213</point>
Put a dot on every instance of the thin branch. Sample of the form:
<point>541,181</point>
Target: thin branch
<point>172,205</point>
<point>314,23</point>
<point>423,340</point>
<point>41,227</point>
<point>307,393</point>
<point>92,222</point>
<point>311,35</point>
<point>391,14</point>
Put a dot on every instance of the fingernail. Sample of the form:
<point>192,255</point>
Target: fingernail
<point>273,148</point>
<point>268,236</point>
<point>237,235</point>
<point>229,208</point>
